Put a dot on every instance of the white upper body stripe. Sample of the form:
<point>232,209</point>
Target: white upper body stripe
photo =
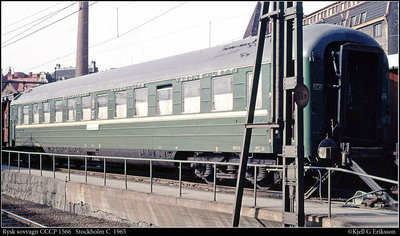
<point>211,115</point>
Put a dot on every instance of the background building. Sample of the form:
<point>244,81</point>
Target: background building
<point>69,72</point>
<point>12,84</point>
<point>17,82</point>
<point>378,19</point>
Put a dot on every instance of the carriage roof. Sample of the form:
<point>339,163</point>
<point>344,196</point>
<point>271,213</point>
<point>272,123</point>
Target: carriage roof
<point>233,55</point>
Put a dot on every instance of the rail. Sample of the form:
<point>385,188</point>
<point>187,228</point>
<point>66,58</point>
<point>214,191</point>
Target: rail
<point>179,162</point>
<point>22,219</point>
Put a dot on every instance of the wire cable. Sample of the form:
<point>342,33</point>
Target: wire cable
<point>44,27</point>
<point>110,39</point>
<point>137,42</point>
<point>152,19</point>
<point>30,16</point>
<point>47,17</point>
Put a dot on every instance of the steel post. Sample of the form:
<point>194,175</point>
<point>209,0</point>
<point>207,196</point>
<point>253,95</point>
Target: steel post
<point>54,166</point>
<point>69,169</point>
<point>29,163</point>
<point>104,171</point>
<point>41,169</point>
<point>125,177</point>
<point>85,169</point>
<point>18,162</point>
<point>180,179</point>
<point>255,186</point>
<point>215,182</point>
<point>151,177</point>
<point>329,194</point>
<point>249,117</point>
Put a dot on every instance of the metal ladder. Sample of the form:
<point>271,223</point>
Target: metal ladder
<point>287,77</point>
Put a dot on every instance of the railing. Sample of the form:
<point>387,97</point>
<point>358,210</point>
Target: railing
<point>180,162</point>
<point>124,159</point>
<point>330,169</point>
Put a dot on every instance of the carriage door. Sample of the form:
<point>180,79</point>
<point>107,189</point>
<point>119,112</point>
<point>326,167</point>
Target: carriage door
<point>359,85</point>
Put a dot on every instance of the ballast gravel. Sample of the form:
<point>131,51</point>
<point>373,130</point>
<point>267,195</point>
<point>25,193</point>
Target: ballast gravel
<point>51,217</point>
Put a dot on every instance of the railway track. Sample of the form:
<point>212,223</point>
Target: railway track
<point>22,213</point>
<point>9,219</point>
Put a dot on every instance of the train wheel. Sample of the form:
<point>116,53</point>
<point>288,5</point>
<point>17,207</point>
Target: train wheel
<point>204,171</point>
<point>265,180</point>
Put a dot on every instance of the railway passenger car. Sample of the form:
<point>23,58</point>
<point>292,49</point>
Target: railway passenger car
<point>193,106</point>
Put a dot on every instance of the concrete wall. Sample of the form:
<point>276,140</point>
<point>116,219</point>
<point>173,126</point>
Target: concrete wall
<point>37,189</point>
<point>129,206</point>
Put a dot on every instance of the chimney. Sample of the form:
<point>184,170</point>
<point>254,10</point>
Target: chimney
<point>82,53</point>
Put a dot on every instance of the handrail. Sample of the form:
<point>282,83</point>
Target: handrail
<point>354,173</point>
<point>143,159</point>
<point>214,163</point>
<point>207,162</point>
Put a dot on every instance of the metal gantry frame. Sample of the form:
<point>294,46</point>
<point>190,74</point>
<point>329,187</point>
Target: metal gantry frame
<point>290,96</point>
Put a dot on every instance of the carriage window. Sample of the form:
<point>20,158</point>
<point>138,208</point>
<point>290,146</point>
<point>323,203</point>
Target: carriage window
<point>58,111</point>
<point>120,104</point>
<point>102,107</point>
<point>259,90</point>
<point>191,96</point>
<point>46,112</point>
<point>35,114</point>
<point>141,106</point>
<point>26,115</point>
<point>222,94</point>
<point>86,109</point>
<point>71,109</point>
<point>164,101</point>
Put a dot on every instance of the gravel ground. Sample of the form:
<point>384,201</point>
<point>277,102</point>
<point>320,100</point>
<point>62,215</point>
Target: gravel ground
<point>51,217</point>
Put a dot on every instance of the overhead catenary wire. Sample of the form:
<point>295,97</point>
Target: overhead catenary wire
<point>150,20</point>
<point>44,27</point>
<point>174,32</point>
<point>4,27</point>
<point>137,27</point>
<point>141,41</point>
<point>65,56</point>
<point>46,18</point>
<point>23,50</point>
<point>137,42</point>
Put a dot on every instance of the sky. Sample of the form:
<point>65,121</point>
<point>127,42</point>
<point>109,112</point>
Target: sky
<point>35,36</point>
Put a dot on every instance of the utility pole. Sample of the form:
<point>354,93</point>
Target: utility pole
<point>117,24</point>
<point>82,51</point>
<point>209,35</point>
